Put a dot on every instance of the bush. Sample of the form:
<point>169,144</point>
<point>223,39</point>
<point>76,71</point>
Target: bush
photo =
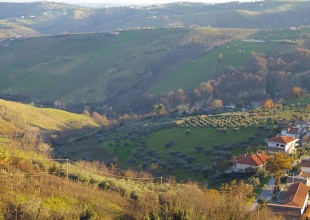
<point>88,214</point>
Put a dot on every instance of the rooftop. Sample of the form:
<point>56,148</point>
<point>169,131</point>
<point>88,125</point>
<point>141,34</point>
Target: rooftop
<point>305,163</point>
<point>296,195</point>
<point>283,139</point>
<point>252,159</point>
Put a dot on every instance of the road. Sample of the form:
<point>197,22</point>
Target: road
<point>266,194</point>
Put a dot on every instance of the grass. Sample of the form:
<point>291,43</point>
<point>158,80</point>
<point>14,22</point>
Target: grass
<point>302,101</point>
<point>184,143</point>
<point>107,64</point>
<point>189,75</point>
<point>15,116</point>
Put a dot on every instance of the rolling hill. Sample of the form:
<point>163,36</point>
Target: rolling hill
<point>117,68</point>
<point>49,18</point>
<point>96,67</point>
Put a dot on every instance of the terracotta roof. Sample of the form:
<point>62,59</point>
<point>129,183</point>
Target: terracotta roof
<point>304,174</point>
<point>252,159</point>
<point>296,195</point>
<point>305,163</point>
<point>284,210</point>
<point>292,130</point>
<point>282,139</point>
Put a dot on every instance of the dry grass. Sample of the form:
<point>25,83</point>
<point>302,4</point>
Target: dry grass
<point>17,116</point>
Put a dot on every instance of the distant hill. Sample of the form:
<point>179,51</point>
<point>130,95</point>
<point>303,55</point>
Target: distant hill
<point>99,67</point>
<point>49,18</point>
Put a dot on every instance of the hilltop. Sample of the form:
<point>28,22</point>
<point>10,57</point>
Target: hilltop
<point>49,18</point>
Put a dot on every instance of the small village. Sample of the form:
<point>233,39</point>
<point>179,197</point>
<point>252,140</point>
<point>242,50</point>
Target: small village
<point>290,197</point>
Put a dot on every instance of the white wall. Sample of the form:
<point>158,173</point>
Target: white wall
<point>305,169</point>
<point>242,166</point>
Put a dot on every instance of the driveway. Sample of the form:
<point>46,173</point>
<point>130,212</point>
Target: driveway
<point>266,194</point>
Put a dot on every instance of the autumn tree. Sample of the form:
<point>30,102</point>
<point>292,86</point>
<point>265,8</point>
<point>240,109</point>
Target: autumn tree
<point>159,109</point>
<point>236,195</point>
<point>205,88</point>
<point>217,103</point>
<point>181,96</point>
<point>297,92</point>
<point>277,164</point>
<point>86,113</point>
<point>100,119</point>
<point>268,104</point>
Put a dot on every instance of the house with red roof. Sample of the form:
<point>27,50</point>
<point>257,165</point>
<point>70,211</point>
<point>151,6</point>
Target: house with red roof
<point>305,165</point>
<point>292,132</point>
<point>283,144</point>
<point>294,203</point>
<point>245,161</point>
<point>303,176</point>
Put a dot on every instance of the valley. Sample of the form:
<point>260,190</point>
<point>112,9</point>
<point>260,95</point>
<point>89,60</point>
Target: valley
<point>176,111</point>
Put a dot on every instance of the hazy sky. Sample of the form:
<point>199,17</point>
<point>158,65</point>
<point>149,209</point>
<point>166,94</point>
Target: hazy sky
<point>122,1</point>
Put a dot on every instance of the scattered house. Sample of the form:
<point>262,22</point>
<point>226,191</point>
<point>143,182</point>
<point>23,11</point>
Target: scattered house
<point>229,107</point>
<point>296,179</point>
<point>292,132</point>
<point>245,161</point>
<point>256,104</point>
<point>305,165</point>
<point>294,203</point>
<point>302,124</point>
<point>304,175</point>
<point>305,141</point>
<point>283,144</point>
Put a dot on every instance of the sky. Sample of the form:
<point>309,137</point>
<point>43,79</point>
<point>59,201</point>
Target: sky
<point>123,2</point>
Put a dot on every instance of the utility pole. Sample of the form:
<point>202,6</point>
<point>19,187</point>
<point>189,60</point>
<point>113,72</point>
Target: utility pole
<point>67,173</point>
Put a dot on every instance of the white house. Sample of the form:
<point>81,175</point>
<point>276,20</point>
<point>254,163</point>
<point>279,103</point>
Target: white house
<point>294,203</point>
<point>292,132</point>
<point>305,165</point>
<point>245,161</point>
<point>304,175</point>
<point>283,144</point>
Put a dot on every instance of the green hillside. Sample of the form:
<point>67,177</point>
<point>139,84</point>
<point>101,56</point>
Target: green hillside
<point>235,53</point>
<point>94,67</point>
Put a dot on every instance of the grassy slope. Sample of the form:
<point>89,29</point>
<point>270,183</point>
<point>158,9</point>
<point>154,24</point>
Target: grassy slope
<point>189,75</point>
<point>235,53</point>
<point>16,116</point>
<point>102,63</point>
<point>63,68</point>
<point>207,137</point>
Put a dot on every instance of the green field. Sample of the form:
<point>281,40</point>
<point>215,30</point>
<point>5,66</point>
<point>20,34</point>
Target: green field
<point>184,143</point>
<point>189,75</point>
<point>300,102</point>
<point>95,67</point>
